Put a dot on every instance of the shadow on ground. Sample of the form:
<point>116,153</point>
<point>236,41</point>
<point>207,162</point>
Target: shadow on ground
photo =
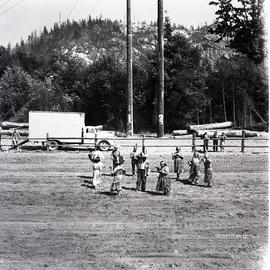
<point>187,182</point>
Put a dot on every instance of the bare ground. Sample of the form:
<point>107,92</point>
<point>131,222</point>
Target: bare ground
<point>51,218</point>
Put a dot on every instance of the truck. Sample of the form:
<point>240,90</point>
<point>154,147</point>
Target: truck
<point>55,129</point>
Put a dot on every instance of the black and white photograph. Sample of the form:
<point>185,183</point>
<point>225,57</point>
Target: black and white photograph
<point>134,134</point>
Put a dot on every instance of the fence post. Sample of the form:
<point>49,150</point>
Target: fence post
<point>193,140</point>
<point>47,141</point>
<point>243,141</point>
<point>143,146</point>
<point>82,136</point>
<point>95,141</point>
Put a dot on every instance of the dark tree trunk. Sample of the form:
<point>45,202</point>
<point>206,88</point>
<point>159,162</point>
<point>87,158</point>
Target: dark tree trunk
<point>224,103</point>
<point>234,116</point>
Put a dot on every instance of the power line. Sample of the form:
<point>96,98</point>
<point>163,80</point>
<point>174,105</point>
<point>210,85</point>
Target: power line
<point>95,5</point>
<point>11,7</point>
<point>4,3</point>
<point>75,4</point>
<point>73,7</point>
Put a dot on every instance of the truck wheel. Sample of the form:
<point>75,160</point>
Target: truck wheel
<point>53,145</point>
<point>104,145</point>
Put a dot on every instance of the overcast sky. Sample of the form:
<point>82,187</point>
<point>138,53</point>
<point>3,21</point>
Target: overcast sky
<point>18,18</point>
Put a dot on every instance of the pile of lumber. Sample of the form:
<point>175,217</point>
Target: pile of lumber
<point>211,126</point>
<point>179,132</point>
<point>7,124</point>
<point>225,127</point>
<point>7,128</point>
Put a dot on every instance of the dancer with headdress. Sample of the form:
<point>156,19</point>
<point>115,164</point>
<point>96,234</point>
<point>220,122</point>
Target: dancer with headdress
<point>178,161</point>
<point>96,157</point>
<point>164,181</point>
<point>116,156</point>
<point>143,170</point>
<point>208,171</point>
<point>118,175</point>
<point>194,164</point>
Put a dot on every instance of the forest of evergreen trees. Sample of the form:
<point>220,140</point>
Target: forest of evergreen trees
<point>45,73</point>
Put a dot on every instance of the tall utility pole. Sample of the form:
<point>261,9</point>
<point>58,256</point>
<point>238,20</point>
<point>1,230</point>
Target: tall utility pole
<point>129,73</point>
<point>160,131</point>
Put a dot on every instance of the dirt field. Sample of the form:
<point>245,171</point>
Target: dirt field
<point>51,218</point>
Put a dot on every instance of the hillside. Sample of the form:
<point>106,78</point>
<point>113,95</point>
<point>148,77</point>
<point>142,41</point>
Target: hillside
<point>81,66</point>
<point>88,41</point>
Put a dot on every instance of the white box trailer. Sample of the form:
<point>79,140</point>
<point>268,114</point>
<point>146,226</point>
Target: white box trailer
<point>58,128</point>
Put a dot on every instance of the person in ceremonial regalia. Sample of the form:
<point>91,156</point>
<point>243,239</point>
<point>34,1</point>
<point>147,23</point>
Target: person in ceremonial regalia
<point>96,157</point>
<point>208,171</point>
<point>178,160</point>
<point>164,181</point>
<point>116,156</point>
<point>118,175</point>
<point>194,164</point>
<point>142,171</point>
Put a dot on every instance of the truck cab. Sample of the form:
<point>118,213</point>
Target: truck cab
<point>104,137</point>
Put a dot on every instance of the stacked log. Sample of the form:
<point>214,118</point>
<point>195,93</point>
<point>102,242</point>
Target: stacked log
<point>7,124</point>
<point>7,128</point>
<point>8,132</point>
<point>179,132</point>
<point>225,127</point>
<point>222,125</point>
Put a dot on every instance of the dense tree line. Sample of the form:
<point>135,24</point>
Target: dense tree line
<point>39,75</point>
<point>242,22</point>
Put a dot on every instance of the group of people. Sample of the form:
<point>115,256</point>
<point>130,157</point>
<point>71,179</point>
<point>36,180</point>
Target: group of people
<point>141,168</point>
<point>117,170</point>
<point>195,164</point>
<point>216,138</point>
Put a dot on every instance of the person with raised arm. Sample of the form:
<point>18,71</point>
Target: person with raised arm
<point>178,162</point>
<point>164,181</point>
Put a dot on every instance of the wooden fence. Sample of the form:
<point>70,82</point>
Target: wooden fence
<point>194,143</point>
